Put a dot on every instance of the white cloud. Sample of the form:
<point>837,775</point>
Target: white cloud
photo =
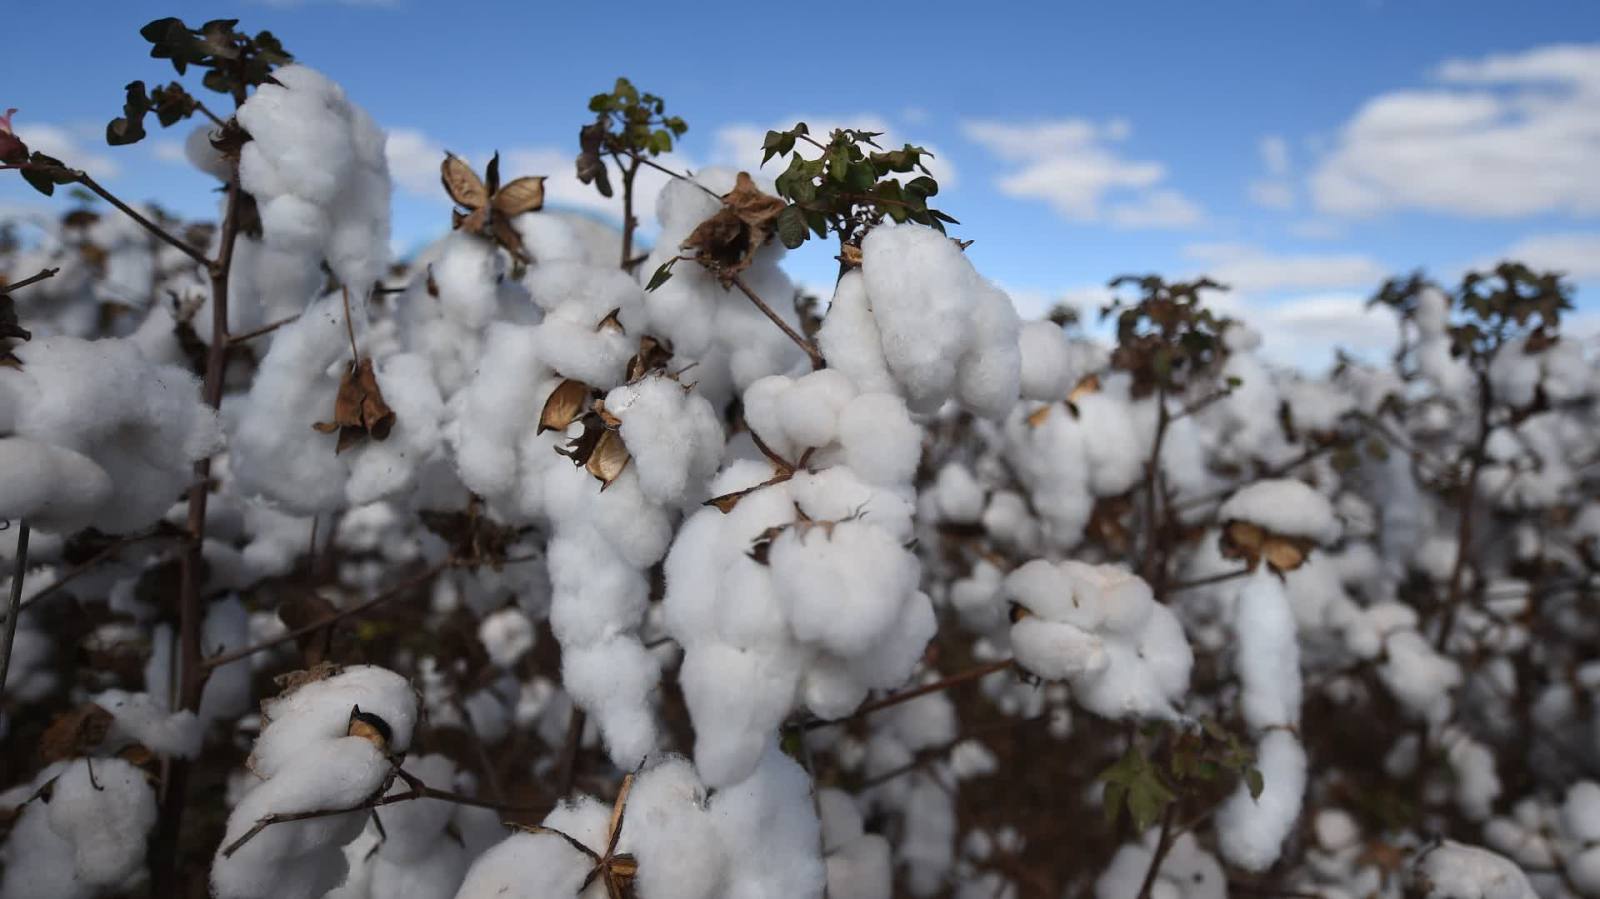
<point>1576,254</point>
<point>1304,331</point>
<point>1506,135</point>
<point>414,160</point>
<point>168,150</point>
<point>1316,229</point>
<point>1249,270</point>
<point>1156,209</point>
<point>1069,164</point>
<point>739,144</point>
<point>68,145</point>
<point>1275,190</point>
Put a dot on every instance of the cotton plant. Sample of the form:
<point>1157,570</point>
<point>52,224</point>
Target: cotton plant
<point>538,508</point>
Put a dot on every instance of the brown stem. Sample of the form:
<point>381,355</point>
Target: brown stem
<point>960,677</point>
<point>1163,844</point>
<point>235,339</point>
<point>18,569</point>
<point>1154,564</point>
<point>567,772</point>
<point>201,108</point>
<point>679,175</point>
<point>191,603</point>
<point>394,592</point>
<point>628,221</point>
<point>160,232</point>
<point>107,552</point>
<point>1464,526</point>
<point>1208,580</point>
<point>33,279</point>
<point>804,344</point>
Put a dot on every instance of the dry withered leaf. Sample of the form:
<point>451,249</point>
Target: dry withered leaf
<point>359,411</point>
<point>471,534</point>
<point>725,242</point>
<point>609,458</point>
<point>1089,383</point>
<point>304,610</point>
<point>566,403</point>
<point>653,354</point>
<point>74,733</point>
<point>489,205</point>
<point>1252,543</point>
<point>294,680</point>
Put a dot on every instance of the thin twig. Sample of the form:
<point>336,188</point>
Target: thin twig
<point>88,565</point>
<point>1163,843</point>
<point>264,329</point>
<point>18,569</point>
<point>394,592</point>
<point>1208,580</point>
<point>567,771</point>
<point>799,341</point>
<point>960,677</point>
<point>32,279</point>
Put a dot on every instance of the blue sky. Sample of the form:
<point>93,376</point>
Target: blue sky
<point>1300,149</point>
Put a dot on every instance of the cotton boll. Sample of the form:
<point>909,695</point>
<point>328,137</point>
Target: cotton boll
<point>54,488</point>
<point>612,679</point>
<point>526,866</point>
<point>945,331</point>
<point>576,298</point>
<point>1251,831</point>
<point>507,635</point>
<point>672,434</point>
<point>1454,870</point>
<point>959,496</point>
<point>1268,657</point>
<point>736,698</point>
<point>141,424</point>
<point>1099,628</point>
<point>850,340</point>
<point>315,165</point>
<point>1285,507</point>
<point>878,439</point>
<point>105,817</point>
<point>1187,871</point>
<point>1046,368</point>
<point>1580,813</point>
<point>669,831</point>
<point>142,719</point>
<point>770,831</point>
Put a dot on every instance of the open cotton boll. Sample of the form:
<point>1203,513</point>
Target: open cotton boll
<point>142,719</point>
<point>316,166</point>
<point>38,862</point>
<point>53,488</point>
<point>105,816</point>
<point>959,495</point>
<point>142,424</point>
<point>672,435</point>
<point>1099,628</point>
<point>1283,506</point>
<point>1268,655</point>
<point>1454,870</point>
<point>1251,831</point>
<point>849,337</point>
<point>306,762</point>
<point>576,298</point>
<point>1187,871</point>
<point>946,332</point>
<point>1046,368</point>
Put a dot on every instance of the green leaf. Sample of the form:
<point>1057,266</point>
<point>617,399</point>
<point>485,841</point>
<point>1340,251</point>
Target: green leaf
<point>1252,780</point>
<point>662,275</point>
<point>792,226</point>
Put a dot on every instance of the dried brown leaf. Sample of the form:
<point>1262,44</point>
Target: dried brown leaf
<point>525,194</point>
<point>359,410</point>
<point>462,183</point>
<point>612,322</point>
<point>609,458</point>
<point>566,403</point>
<point>74,733</point>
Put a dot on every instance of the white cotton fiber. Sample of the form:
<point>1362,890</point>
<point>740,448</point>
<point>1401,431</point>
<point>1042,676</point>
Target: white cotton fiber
<point>1283,506</point>
<point>1251,831</point>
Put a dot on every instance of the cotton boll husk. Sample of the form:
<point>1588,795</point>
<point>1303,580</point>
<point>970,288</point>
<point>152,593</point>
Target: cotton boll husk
<point>1268,656</point>
<point>1251,831</point>
<point>380,469</point>
<point>104,818</point>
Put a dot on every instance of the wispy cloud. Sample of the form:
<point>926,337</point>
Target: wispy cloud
<point>1073,165</point>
